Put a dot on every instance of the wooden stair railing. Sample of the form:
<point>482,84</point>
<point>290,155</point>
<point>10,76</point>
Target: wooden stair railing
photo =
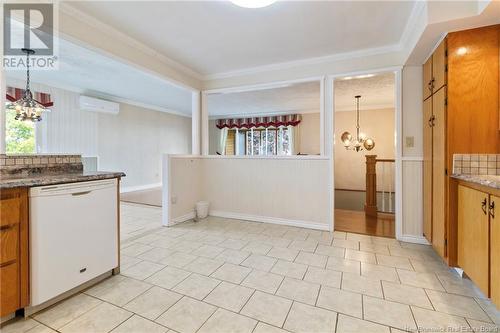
<point>371,208</point>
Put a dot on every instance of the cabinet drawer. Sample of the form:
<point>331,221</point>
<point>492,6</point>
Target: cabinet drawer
<point>9,237</point>
<point>9,211</point>
<point>9,289</point>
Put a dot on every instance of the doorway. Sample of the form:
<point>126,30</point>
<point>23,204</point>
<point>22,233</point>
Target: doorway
<point>365,154</point>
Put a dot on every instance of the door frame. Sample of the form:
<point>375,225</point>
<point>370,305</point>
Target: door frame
<point>398,141</point>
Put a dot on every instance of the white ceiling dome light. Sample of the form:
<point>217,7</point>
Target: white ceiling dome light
<point>253,3</point>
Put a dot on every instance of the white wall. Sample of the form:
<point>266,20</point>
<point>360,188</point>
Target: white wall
<point>309,137</point>
<point>286,190</point>
<point>412,166</point>
<point>134,140</point>
<point>350,166</point>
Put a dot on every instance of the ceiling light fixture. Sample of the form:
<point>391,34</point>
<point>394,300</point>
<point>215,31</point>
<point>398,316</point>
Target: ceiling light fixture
<point>253,3</point>
<point>27,108</point>
<point>361,140</point>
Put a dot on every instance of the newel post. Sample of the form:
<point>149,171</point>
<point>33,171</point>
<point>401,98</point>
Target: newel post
<point>371,185</point>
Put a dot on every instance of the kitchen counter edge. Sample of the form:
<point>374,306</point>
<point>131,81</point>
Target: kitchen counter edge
<point>53,179</point>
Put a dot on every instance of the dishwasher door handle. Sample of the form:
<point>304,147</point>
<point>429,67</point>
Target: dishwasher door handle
<point>80,193</point>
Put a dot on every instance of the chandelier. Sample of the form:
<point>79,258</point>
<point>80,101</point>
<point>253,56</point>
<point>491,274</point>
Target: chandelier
<point>360,141</point>
<point>27,108</point>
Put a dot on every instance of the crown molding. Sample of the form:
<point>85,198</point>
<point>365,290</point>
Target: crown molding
<point>68,9</point>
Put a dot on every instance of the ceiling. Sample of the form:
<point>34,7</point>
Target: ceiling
<point>376,92</point>
<point>286,99</point>
<point>96,75</point>
<point>213,37</point>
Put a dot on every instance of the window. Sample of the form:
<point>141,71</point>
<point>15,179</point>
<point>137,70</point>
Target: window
<point>270,141</point>
<point>19,135</point>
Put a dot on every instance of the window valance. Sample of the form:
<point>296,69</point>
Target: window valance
<point>13,94</point>
<point>274,121</point>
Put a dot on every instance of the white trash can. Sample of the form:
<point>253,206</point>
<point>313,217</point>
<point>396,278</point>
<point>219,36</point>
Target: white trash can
<point>202,209</point>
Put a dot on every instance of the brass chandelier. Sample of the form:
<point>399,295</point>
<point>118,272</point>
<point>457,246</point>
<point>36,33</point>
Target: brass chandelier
<point>360,142</point>
<point>27,108</point>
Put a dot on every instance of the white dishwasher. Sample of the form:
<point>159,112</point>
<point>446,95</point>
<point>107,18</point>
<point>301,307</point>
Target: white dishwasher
<point>73,235</point>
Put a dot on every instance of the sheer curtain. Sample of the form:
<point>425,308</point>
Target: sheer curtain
<point>222,141</point>
<point>294,140</point>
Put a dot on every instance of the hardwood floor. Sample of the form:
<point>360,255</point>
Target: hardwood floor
<point>357,222</point>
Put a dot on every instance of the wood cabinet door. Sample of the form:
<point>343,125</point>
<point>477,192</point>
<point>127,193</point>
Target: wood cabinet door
<point>427,172</point>
<point>473,236</point>
<point>439,67</point>
<point>495,251</point>
<point>427,87</point>
<point>439,171</point>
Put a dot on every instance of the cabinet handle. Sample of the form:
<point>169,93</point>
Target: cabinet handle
<point>431,121</point>
<point>483,205</point>
<point>492,209</point>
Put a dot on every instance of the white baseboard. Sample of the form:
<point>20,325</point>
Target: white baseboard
<point>414,239</point>
<point>182,218</point>
<point>127,189</point>
<point>273,220</point>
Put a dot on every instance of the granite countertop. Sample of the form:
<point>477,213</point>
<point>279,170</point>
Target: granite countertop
<point>484,180</point>
<point>57,178</point>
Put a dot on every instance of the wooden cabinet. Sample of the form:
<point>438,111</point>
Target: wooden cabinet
<point>427,81</point>
<point>14,249</point>
<point>427,165</point>
<point>494,249</point>
<point>439,66</point>
<point>434,166</point>
<point>439,170</point>
<point>473,235</point>
<point>461,90</point>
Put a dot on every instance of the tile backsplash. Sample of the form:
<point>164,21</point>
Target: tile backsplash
<point>476,164</point>
<point>19,165</point>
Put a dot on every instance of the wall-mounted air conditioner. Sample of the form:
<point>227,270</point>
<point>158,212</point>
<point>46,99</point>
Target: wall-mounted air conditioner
<point>92,104</point>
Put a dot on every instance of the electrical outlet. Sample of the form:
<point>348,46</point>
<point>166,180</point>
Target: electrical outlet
<point>173,199</point>
<point>410,142</point>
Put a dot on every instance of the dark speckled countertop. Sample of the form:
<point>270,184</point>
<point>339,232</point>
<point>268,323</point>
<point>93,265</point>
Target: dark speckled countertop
<point>484,180</point>
<point>57,178</point>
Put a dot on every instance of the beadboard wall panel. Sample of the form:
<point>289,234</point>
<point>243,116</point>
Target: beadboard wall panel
<point>412,201</point>
<point>293,191</point>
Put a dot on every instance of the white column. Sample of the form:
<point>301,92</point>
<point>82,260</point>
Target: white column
<point>195,122</point>
<point>328,127</point>
<point>2,111</point>
<point>204,125</point>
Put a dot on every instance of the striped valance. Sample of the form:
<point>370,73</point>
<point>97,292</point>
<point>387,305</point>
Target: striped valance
<point>255,122</point>
<point>14,94</point>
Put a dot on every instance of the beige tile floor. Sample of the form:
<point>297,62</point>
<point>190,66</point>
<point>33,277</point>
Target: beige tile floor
<point>221,275</point>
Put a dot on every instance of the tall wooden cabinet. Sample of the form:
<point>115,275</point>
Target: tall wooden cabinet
<point>435,148</point>
<point>461,116</point>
